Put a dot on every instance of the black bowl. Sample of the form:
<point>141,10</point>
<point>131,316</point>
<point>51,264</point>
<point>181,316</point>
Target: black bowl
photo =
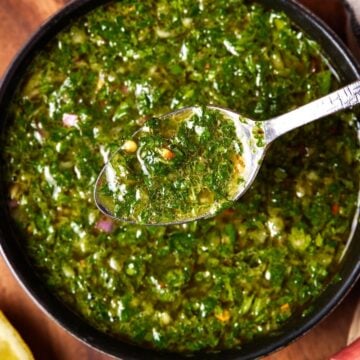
<point>12,250</point>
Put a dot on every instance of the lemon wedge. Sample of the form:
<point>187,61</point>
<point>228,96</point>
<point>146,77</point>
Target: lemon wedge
<point>12,346</point>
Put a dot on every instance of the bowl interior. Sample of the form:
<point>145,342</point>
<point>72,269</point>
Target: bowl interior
<point>347,69</point>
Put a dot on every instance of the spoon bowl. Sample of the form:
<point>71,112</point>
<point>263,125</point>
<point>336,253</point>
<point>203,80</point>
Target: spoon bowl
<point>130,189</point>
<point>157,153</point>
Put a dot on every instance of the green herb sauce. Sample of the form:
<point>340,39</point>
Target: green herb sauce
<point>180,167</point>
<point>207,285</point>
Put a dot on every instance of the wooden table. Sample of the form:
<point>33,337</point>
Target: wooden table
<point>48,341</point>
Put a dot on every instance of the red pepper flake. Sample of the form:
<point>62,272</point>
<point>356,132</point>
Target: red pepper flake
<point>124,89</point>
<point>224,316</point>
<point>335,208</point>
<point>167,154</point>
<point>229,212</point>
<point>284,308</point>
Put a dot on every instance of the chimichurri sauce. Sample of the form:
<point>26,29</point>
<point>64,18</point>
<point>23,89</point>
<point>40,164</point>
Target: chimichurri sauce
<point>185,165</point>
<point>207,285</point>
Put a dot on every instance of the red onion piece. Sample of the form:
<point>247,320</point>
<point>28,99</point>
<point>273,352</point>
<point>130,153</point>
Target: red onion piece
<point>105,225</point>
<point>13,204</point>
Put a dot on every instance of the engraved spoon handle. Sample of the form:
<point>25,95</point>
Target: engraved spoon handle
<point>341,99</point>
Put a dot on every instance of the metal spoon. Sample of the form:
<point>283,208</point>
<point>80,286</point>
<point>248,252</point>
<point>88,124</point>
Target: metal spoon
<point>256,136</point>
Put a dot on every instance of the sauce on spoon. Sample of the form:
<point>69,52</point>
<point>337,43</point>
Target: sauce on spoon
<point>186,165</point>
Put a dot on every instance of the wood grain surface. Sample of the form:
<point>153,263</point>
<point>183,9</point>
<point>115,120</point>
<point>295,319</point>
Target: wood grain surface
<point>48,341</point>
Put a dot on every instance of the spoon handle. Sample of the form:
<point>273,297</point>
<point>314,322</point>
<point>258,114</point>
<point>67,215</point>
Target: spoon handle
<point>341,99</point>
